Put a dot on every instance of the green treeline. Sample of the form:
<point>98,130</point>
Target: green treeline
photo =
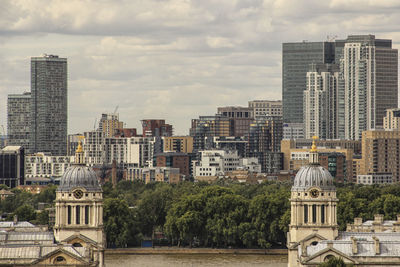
<point>207,215</point>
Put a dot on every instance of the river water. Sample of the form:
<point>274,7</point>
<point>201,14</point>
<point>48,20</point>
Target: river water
<point>196,260</point>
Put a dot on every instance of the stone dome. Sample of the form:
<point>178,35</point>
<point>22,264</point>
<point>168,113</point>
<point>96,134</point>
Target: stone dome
<point>79,176</point>
<point>313,175</point>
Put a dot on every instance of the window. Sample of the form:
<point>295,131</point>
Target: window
<point>314,213</point>
<point>78,214</point>
<point>86,214</point>
<point>77,245</point>
<point>59,259</point>
<point>322,213</point>
<point>69,215</point>
<point>305,214</point>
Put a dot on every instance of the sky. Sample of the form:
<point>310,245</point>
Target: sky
<point>171,59</point>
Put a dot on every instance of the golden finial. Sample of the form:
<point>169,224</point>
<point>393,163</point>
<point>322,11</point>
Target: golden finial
<point>79,149</point>
<point>314,146</point>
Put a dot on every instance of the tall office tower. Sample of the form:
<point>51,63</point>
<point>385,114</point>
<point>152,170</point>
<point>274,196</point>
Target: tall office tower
<point>241,118</point>
<point>369,72</point>
<point>296,60</point>
<point>109,123</point>
<point>18,120</point>
<point>49,105</point>
<point>266,107</point>
<point>320,102</point>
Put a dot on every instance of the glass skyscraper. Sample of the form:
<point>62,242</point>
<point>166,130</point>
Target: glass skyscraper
<point>49,105</point>
<point>296,60</point>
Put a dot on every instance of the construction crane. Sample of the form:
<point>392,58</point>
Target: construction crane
<point>115,111</point>
<point>331,38</point>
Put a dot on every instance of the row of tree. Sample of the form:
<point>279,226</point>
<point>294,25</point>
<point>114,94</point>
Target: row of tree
<point>207,215</point>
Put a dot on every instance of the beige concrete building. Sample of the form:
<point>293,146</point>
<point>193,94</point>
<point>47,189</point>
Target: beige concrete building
<point>392,119</point>
<point>381,153</point>
<point>178,143</point>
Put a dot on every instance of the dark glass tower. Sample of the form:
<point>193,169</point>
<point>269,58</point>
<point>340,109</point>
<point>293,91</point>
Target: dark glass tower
<point>296,60</point>
<point>49,105</point>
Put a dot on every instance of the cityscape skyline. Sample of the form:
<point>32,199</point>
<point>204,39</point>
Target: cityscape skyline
<point>239,45</point>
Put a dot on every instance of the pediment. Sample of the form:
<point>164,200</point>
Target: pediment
<point>328,252</point>
<point>312,237</point>
<point>51,258</point>
<point>79,238</point>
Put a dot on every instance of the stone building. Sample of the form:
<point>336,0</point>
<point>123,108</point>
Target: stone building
<point>313,236</point>
<point>78,238</point>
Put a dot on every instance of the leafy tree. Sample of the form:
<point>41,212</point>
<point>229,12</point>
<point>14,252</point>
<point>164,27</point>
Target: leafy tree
<point>335,262</point>
<point>25,213</point>
<point>119,223</point>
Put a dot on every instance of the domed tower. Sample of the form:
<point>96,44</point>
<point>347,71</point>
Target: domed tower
<point>79,208</point>
<point>313,207</point>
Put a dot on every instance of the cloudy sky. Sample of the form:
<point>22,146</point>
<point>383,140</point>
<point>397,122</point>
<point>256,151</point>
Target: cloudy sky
<point>171,59</point>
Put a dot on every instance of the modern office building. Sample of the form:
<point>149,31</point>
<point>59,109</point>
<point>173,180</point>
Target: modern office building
<point>375,178</point>
<point>155,174</point>
<point>18,120</point>
<point>370,84</point>
<point>320,102</point>
<point>12,169</point>
<point>182,161</point>
<point>392,119</point>
<point>229,143</point>
<point>266,107</point>
<point>49,105</point>
<point>296,60</point>
<point>293,131</point>
<point>241,118</point>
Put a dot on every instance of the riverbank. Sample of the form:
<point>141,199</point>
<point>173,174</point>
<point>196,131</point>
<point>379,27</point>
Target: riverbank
<point>177,250</point>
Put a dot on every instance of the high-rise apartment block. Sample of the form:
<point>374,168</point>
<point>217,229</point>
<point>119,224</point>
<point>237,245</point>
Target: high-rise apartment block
<point>296,60</point>
<point>109,123</point>
<point>18,120</point>
<point>320,105</point>
<point>209,126</point>
<point>369,68</point>
<point>392,119</point>
<point>266,107</point>
<point>49,105</point>
<point>264,137</point>
<point>156,128</point>
<point>182,144</point>
<point>381,153</point>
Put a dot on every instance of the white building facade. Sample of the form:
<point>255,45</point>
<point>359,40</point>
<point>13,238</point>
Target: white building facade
<point>43,165</point>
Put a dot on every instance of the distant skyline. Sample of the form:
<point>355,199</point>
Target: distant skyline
<point>172,60</point>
